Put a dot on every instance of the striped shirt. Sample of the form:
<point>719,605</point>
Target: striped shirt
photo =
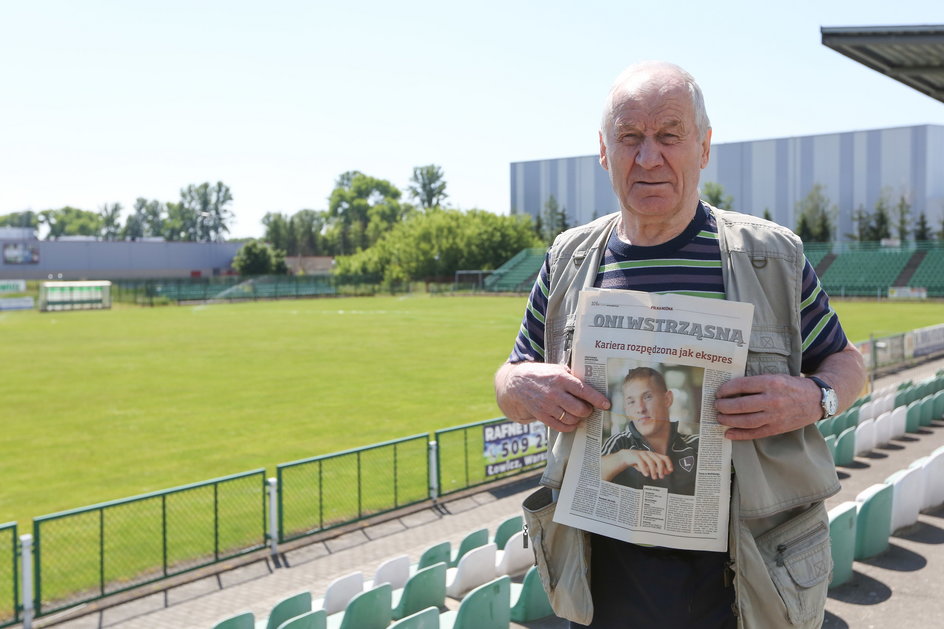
<point>689,264</point>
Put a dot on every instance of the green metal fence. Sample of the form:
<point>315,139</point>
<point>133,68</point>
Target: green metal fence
<point>9,581</point>
<point>327,491</point>
<point>84,554</point>
<point>153,292</point>
<point>468,455</point>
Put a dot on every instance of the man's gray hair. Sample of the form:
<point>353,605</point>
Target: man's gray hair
<point>702,124</point>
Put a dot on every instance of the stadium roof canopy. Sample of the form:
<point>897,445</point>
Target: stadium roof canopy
<point>913,55</point>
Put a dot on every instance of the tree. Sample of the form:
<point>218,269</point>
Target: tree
<point>813,216</point>
<point>554,219</point>
<point>428,186</point>
<point>361,209</point>
<point>207,213</point>
<point>276,230</point>
<point>70,221</point>
<point>434,245</point>
<point>903,217</point>
<point>767,215</point>
<point>145,221</point>
<point>111,221</point>
<point>880,226</point>
<point>922,230</point>
<point>26,218</point>
<point>308,226</point>
<point>258,258</point>
<point>714,194</point>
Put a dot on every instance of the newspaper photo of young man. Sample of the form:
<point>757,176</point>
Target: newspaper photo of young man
<point>653,428</point>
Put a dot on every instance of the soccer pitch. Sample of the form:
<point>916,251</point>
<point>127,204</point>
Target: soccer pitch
<point>101,405</point>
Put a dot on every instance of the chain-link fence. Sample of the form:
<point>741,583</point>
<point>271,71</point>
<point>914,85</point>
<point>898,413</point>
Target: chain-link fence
<point>327,491</point>
<point>9,575</point>
<point>484,451</point>
<point>85,554</point>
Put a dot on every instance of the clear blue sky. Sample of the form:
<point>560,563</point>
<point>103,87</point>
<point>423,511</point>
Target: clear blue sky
<point>106,101</point>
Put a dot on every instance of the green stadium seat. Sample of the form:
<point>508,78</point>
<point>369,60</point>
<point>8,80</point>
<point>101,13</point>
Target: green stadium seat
<point>240,621</point>
<point>506,529</point>
<point>842,540</point>
<point>873,520</point>
<point>425,619</point>
<point>529,600</point>
<point>441,552</point>
<point>913,418</point>
<point>426,588</point>
<point>486,607</point>
<point>310,620</point>
<point>368,610</point>
<point>470,541</point>
<point>927,410</point>
<point>845,446</point>
<point>286,609</point>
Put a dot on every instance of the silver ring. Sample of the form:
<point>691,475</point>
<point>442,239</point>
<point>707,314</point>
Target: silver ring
<point>561,418</point>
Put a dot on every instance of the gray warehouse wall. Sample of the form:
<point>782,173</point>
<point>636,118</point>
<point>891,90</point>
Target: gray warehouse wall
<point>94,260</point>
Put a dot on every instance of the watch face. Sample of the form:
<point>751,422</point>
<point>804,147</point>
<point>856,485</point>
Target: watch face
<point>830,402</point>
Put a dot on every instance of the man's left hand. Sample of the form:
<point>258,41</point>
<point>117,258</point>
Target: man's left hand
<point>760,406</point>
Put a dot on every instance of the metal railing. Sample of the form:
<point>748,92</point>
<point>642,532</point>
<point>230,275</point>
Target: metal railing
<point>85,554</point>
<point>153,292</point>
<point>327,491</point>
<point>9,582</point>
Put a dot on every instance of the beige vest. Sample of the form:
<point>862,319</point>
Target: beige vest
<point>762,263</point>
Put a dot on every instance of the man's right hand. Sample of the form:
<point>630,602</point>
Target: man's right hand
<point>548,393</point>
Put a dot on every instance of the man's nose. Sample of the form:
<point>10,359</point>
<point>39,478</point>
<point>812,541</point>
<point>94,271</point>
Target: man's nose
<point>650,154</point>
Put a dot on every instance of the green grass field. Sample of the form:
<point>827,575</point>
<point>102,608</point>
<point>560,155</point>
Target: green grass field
<point>108,404</point>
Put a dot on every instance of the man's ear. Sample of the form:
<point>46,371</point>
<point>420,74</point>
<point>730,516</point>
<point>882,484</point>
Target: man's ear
<point>603,161</point>
<point>706,148</point>
<point>669,398</point>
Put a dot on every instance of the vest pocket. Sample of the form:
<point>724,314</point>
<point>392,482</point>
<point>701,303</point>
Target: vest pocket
<point>768,352</point>
<point>562,556</point>
<point>798,558</point>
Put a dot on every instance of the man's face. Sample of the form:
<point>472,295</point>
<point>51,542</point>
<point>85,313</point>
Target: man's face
<point>646,404</point>
<point>653,151</point>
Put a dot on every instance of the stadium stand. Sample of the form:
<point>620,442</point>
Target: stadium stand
<point>930,272</point>
<point>517,275</point>
<point>864,272</point>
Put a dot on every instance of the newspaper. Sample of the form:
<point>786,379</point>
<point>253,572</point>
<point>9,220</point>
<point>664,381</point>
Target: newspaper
<point>654,469</point>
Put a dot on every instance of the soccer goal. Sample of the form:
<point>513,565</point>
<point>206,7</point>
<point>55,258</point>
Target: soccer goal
<point>89,295</point>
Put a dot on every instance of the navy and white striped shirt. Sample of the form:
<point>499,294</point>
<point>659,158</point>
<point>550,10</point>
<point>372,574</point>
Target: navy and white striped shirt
<point>690,264</point>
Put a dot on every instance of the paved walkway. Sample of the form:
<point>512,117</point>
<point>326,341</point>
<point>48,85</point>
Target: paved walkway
<point>901,587</point>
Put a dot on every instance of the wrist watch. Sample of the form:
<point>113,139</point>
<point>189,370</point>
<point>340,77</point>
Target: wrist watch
<point>829,401</point>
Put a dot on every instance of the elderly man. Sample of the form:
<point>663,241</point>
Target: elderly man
<point>654,140</point>
<point>650,451</point>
